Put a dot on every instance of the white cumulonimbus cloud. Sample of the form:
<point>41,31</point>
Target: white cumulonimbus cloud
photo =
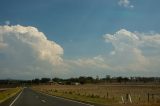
<point>125,3</point>
<point>133,51</point>
<point>25,52</point>
<point>126,54</point>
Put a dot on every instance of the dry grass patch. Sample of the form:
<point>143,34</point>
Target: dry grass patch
<point>106,94</point>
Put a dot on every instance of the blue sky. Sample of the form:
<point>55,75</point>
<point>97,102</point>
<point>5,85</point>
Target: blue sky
<point>78,26</point>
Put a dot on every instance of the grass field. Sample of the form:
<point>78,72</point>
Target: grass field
<point>107,94</point>
<point>7,93</point>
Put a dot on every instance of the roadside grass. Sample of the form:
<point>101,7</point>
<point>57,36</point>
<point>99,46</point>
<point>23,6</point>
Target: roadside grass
<point>6,94</point>
<point>83,98</point>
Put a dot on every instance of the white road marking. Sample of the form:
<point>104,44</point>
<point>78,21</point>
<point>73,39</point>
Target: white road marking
<point>67,99</point>
<point>16,99</point>
<point>43,101</point>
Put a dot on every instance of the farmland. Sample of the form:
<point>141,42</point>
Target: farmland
<point>113,94</point>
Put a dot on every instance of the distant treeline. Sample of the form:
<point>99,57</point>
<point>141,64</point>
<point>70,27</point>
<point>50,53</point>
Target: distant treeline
<point>108,79</point>
<point>83,80</point>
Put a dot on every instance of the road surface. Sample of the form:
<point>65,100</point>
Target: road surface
<point>29,97</point>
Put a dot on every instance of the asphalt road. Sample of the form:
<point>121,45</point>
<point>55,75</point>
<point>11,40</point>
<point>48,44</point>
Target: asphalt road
<point>29,97</point>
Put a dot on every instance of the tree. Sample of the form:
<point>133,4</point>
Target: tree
<point>36,81</point>
<point>108,78</point>
<point>45,80</point>
<point>119,79</point>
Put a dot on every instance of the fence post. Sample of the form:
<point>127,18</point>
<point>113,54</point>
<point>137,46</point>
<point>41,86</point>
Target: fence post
<point>127,97</point>
<point>139,98</point>
<point>130,99</point>
<point>113,98</point>
<point>153,97</point>
<point>122,99</point>
<point>107,95</point>
<point>148,97</point>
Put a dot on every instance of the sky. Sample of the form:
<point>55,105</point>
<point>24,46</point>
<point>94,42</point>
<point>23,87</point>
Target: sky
<point>71,38</point>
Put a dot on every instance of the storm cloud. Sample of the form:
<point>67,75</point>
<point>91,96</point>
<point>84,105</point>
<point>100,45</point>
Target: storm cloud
<point>25,51</point>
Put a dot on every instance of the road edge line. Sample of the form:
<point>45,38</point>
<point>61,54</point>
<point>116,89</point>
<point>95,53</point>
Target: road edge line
<point>16,98</point>
<point>66,99</point>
